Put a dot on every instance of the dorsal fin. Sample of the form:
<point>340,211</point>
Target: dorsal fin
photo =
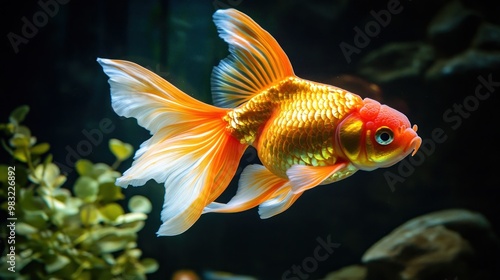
<point>256,60</point>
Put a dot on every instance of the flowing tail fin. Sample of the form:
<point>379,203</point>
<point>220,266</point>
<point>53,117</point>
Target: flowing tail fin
<point>190,150</point>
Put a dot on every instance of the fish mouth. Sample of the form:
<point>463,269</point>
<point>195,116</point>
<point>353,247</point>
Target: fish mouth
<point>415,142</point>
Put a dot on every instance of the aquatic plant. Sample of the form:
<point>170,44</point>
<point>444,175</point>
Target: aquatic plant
<point>78,234</point>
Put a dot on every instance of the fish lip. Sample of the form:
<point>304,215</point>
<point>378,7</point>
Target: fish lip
<point>415,145</point>
<point>415,142</point>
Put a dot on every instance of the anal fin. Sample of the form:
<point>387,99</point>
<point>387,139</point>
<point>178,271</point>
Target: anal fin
<point>280,202</point>
<point>255,186</point>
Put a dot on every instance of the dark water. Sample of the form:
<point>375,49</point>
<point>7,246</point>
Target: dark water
<point>433,63</point>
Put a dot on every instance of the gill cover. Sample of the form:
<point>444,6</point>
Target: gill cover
<point>364,144</point>
<point>350,136</point>
<point>356,137</point>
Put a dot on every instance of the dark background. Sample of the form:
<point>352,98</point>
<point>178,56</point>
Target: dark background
<point>55,72</point>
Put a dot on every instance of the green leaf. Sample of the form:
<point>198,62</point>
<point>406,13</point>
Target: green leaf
<point>111,211</point>
<point>56,263</point>
<point>131,217</point>
<point>40,149</point>
<point>89,215</point>
<point>23,130</point>
<point>110,244</point>
<point>100,168</point>
<point>108,177</point>
<point>20,154</point>
<point>37,176</point>
<point>102,232</point>
<point>133,226</point>
<point>109,192</point>
<point>109,259</point>
<point>25,229</point>
<point>47,175</point>
<point>86,188</point>
<point>37,219</point>
<point>18,115</point>
<point>20,141</point>
<point>80,235</point>
<point>139,204</point>
<point>28,202</point>
<point>53,203</point>
<point>8,128</point>
<point>150,265</point>
<point>84,167</point>
<point>134,253</point>
<point>22,137</point>
<point>53,177</point>
<point>48,159</point>
<point>87,275</point>
<point>71,204</point>
<point>122,151</point>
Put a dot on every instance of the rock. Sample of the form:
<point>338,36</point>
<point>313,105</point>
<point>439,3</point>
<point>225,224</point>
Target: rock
<point>452,29</point>
<point>442,245</point>
<point>353,272</point>
<point>417,254</point>
<point>397,61</point>
<point>466,64</point>
<point>487,37</point>
<point>488,9</point>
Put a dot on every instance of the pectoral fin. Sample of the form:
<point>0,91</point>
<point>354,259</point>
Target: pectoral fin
<point>303,177</point>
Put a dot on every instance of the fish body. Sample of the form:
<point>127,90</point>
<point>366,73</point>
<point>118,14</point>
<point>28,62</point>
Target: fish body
<point>306,133</point>
<point>293,122</point>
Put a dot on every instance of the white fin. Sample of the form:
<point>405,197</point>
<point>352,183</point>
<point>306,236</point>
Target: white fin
<point>281,201</point>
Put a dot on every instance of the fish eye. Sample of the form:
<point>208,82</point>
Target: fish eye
<point>384,135</point>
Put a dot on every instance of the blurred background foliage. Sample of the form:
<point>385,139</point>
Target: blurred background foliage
<point>68,233</point>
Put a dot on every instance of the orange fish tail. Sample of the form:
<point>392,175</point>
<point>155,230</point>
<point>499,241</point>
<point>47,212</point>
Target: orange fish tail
<point>190,151</point>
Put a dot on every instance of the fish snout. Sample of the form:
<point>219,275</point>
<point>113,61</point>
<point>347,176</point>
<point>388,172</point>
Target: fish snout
<point>415,142</point>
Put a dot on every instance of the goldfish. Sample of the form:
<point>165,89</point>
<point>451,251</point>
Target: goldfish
<point>305,133</point>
